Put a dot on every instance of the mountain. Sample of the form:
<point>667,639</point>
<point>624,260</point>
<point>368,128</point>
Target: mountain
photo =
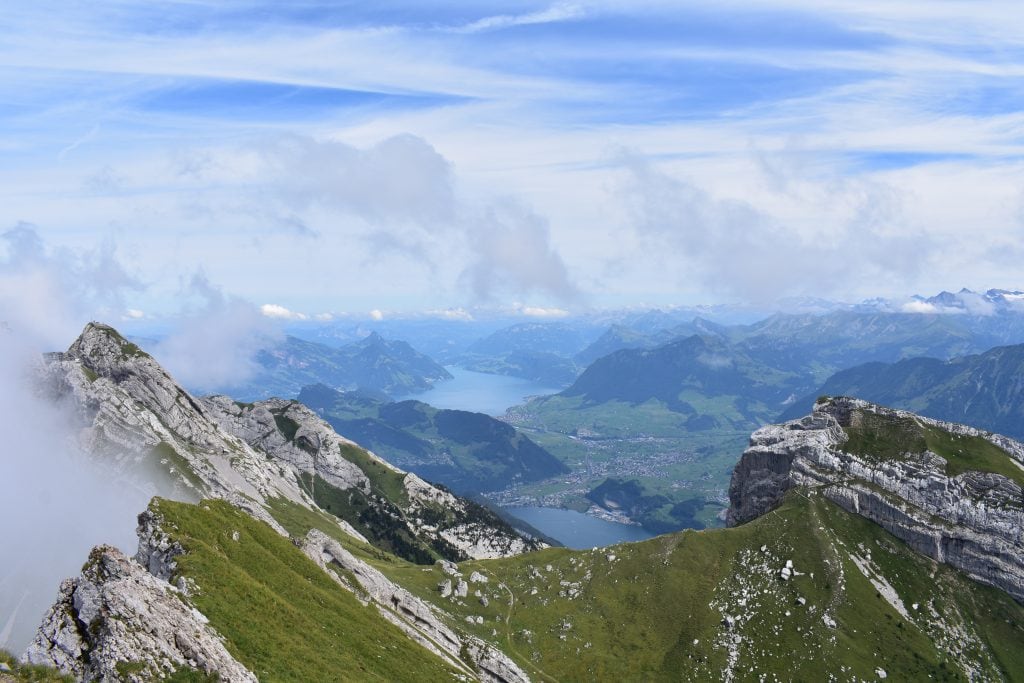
<point>983,390</point>
<point>808,586</point>
<point>616,338</point>
<point>544,368</point>
<point>619,337</point>
<point>539,352</point>
<point>868,544</point>
<point>386,365</point>
<point>944,326</point>
<point>951,492</point>
<point>468,452</point>
<point>270,469</point>
<point>561,339</point>
<point>258,455</point>
<point>700,368</point>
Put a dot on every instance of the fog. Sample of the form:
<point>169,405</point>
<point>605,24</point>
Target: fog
<point>55,502</point>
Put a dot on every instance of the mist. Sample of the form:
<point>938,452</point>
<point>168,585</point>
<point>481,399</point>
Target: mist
<point>57,503</point>
<point>214,347</point>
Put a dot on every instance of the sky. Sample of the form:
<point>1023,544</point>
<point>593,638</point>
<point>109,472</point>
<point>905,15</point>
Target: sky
<point>159,159</point>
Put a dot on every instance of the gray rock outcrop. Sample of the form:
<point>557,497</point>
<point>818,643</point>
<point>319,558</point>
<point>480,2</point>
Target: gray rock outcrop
<point>118,622</point>
<point>420,620</point>
<point>973,521</point>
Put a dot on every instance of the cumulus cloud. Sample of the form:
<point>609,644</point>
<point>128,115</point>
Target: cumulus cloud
<point>402,178</point>
<point>282,313</point>
<point>451,314</point>
<point>54,291</point>
<point>512,252</point>
<point>920,307</point>
<point>976,304</point>
<point>541,312</point>
<point>403,190</point>
<point>377,314</point>
<point>214,346</point>
<point>732,247</point>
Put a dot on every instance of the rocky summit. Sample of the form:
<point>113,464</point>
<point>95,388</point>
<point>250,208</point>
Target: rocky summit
<point>951,492</point>
<point>865,544</point>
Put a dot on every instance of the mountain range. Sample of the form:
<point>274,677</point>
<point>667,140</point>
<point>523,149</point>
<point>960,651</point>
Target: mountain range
<point>867,543</point>
<point>389,366</point>
<point>984,390</point>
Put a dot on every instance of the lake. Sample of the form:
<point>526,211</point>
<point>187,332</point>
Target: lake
<point>481,392</point>
<point>577,530</point>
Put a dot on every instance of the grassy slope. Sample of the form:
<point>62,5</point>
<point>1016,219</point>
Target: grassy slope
<point>279,612</point>
<point>655,612</point>
<point>29,672</point>
<point>880,437</point>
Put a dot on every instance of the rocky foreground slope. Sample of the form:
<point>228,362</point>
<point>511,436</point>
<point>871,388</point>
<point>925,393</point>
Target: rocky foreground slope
<point>275,462</point>
<point>952,493</point>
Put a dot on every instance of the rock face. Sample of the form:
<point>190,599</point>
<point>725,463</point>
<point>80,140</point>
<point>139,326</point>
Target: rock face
<point>118,622</point>
<point>973,521</point>
<point>134,415</point>
<point>420,620</point>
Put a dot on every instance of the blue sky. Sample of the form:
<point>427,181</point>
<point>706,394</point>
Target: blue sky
<point>329,157</point>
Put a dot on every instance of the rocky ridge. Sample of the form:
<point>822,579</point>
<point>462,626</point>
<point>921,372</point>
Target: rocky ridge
<point>118,622</point>
<point>420,620</point>
<point>973,521</point>
<point>133,414</point>
<point>123,618</point>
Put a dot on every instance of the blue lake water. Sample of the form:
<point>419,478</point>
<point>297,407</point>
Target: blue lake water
<point>577,530</point>
<point>481,392</point>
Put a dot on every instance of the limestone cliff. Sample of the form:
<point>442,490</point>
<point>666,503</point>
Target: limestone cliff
<point>118,622</point>
<point>882,464</point>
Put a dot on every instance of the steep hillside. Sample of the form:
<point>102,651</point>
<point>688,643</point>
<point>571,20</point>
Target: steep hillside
<point>670,418</point>
<point>700,364</point>
<point>619,337</point>
<point>984,390</point>
<point>468,452</point>
<point>133,414</point>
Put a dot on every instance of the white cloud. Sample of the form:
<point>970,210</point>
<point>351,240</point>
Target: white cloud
<point>281,313</point>
<point>324,317</point>
<point>134,314</point>
<point>541,312</point>
<point>564,11</point>
<point>214,347</point>
<point>451,314</point>
<point>52,291</point>
<point>377,314</point>
<point>919,307</point>
<point>512,252</point>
